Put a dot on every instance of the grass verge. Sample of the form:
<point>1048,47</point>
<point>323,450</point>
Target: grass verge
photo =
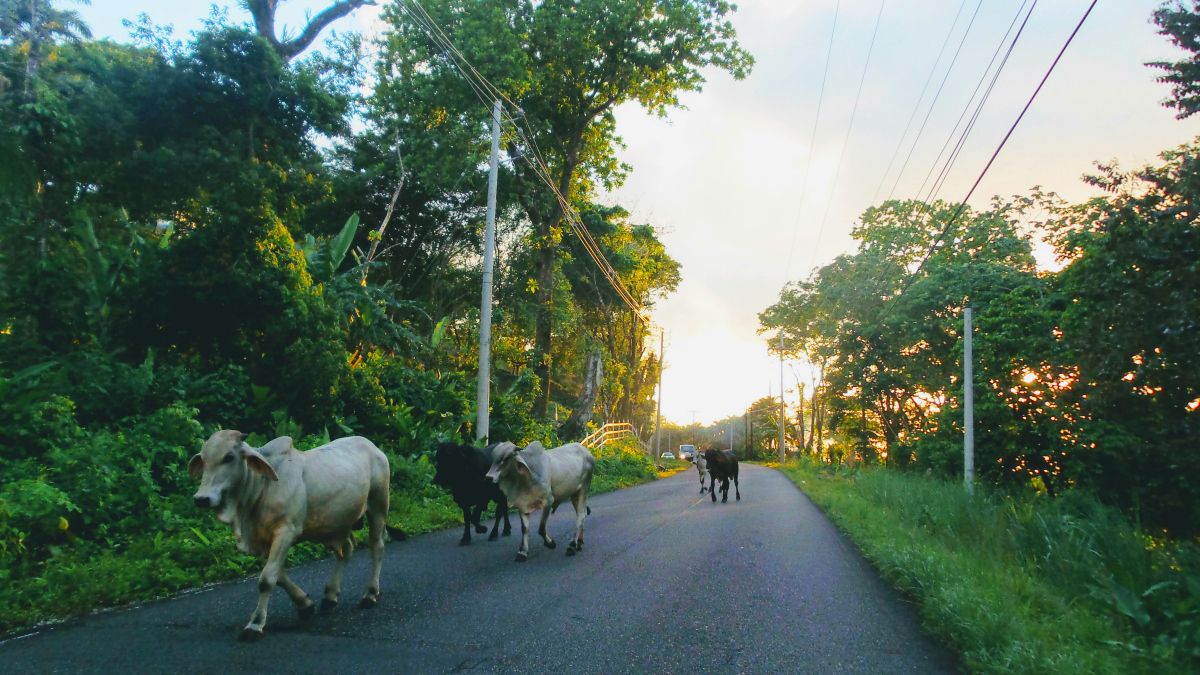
<point>1014,585</point>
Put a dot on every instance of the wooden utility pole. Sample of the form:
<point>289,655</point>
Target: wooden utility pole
<point>483,390</point>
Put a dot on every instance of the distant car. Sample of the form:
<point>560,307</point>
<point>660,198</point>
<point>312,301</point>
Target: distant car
<point>687,452</point>
<point>667,455</point>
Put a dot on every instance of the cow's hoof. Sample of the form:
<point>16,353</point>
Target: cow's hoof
<point>464,542</point>
<point>571,549</point>
<point>307,613</point>
<point>250,635</point>
<point>522,557</point>
<point>480,529</point>
<point>368,602</point>
<point>507,532</point>
<point>493,536</point>
<point>724,500</point>
<point>328,605</point>
<point>550,543</point>
<point>739,498</point>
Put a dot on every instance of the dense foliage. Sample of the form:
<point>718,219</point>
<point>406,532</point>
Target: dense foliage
<point>225,232</point>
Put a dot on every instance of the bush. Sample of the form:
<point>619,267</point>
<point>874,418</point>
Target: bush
<point>621,464</point>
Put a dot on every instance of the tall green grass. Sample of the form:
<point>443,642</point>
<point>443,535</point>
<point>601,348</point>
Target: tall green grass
<point>1022,585</point>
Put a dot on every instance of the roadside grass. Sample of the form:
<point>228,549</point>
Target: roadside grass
<point>621,464</point>
<point>194,549</point>
<point>672,467</point>
<point>1021,585</point>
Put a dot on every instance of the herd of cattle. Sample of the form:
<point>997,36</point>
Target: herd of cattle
<point>276,495</point>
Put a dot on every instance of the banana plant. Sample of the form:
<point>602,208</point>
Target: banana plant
<point>325,255</point>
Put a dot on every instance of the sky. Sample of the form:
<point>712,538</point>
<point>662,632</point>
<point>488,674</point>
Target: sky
<point>745,202</point>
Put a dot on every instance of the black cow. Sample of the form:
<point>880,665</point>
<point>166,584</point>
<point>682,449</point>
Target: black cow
<point>462,470</point>
<point>722,465</point>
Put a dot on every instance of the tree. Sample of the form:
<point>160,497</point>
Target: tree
<point>567,66</point>
<point>1130,308</point>
<point>263,12</point>
<point>1182,27</point>
<point>34,24</point>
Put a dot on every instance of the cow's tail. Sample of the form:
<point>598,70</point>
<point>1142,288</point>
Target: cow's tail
<point>589,510</point>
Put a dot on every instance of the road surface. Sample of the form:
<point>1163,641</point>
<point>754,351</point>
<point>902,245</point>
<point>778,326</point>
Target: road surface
<point>669,583</point>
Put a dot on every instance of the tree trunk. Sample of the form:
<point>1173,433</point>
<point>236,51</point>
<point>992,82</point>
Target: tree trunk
<point>547,244</point>
<point>542,330</point>
<point>593,373</point>
<point>263,12</point>
<point>800,417</point>
<point>818,422</point>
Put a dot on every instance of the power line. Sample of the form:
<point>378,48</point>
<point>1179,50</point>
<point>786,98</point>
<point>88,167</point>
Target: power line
<point>917,105</point>
<point>484,89</point>
<point>837,173</point>
<point>936,96</point>
<point>812,142</point>
<point>963,204</point>
<point>936,187</point>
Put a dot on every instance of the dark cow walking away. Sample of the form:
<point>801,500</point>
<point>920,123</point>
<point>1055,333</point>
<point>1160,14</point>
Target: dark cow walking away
<point>462,470</point>
<point>722,465</point>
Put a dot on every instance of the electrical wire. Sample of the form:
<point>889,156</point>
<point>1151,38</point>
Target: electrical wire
<point>837,173</point>
<point>936,96</point>
<point>963,204</point>
<point>936,188</point>
<point>812,142</point>
<point>917,105</point>
<point>485,89</point>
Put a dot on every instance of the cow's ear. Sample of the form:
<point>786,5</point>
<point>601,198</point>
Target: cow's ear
<point>522,467</point>
<point>258,464</point>
<point>196,466</point>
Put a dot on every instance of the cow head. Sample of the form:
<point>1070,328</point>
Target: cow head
<point>503,456</point>
<point>222,466</point>
<point>449,463</point>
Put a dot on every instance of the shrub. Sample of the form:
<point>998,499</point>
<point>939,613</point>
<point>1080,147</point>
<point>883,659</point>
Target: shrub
<point>620,464</point>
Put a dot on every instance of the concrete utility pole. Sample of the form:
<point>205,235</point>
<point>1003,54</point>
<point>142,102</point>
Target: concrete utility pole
<point>484,392</point>
<point>968,405</point>
<point>781,408</point>
<point>662,341</point>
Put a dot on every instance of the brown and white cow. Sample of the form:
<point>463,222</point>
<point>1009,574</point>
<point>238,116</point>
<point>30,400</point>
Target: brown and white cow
<point>276,495</point>
<point>536,479</point>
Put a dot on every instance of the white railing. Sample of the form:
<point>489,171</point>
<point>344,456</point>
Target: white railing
<point>609,432</point>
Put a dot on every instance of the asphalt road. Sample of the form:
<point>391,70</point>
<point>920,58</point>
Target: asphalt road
<point>668,582</point>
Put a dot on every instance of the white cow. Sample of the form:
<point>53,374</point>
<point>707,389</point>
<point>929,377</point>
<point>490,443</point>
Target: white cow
<point>276,495</point>
<point>535,478</point>
<point>701,468</point>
